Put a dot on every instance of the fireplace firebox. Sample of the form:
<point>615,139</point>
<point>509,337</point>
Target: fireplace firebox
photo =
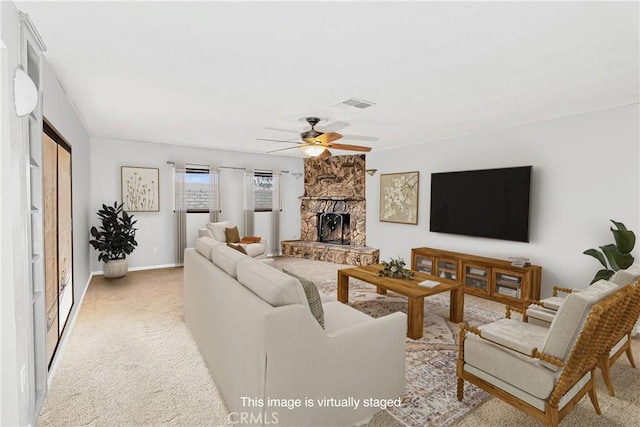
<point>334,228</point>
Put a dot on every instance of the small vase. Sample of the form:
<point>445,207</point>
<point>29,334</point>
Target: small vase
<point>115,268</point>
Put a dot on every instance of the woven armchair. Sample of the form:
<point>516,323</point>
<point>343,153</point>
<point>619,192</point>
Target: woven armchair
<point>503,357</point>
<point>543,312</point>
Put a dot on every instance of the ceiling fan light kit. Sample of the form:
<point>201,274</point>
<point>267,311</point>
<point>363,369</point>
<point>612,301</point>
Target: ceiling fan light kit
<point>313,150</point>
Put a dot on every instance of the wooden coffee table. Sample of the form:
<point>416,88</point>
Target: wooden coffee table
<point>408,288</point>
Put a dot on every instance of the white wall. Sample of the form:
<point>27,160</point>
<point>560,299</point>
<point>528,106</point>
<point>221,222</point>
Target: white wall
<point>585,172</point>
<point>13,403</point>
<point>155,229</point>
<point>15,298</point>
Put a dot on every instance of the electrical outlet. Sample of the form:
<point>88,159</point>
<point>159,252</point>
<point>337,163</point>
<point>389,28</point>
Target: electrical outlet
<point>155,249</point>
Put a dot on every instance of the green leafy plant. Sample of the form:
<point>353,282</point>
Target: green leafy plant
<point>395,268</point>
<point>618,255</point>
<point>115,239</point>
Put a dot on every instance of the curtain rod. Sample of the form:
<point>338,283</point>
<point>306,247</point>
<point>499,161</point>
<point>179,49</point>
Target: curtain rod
<point>169,162</point>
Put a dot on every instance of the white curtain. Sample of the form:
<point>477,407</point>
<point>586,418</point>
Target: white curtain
<point>276,208</point>
<point>214,207</point>
<point>180,175</point>
<point>249,203</point>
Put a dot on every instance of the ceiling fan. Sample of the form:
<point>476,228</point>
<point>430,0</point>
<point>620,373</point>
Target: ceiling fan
<point>316,144</point>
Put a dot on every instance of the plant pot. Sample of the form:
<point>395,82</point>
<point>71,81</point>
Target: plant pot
<point>115,268</point>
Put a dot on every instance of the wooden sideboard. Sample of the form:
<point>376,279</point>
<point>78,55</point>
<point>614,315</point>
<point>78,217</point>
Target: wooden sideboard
<point>490,278</point>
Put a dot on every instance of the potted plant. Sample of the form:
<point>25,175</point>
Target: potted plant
<point>114,240</point>
<point>618,255</point>
<point>395,268</point>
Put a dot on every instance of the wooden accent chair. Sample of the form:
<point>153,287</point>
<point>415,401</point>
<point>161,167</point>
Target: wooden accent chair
<point>543,312</point>
<point>503,358</point>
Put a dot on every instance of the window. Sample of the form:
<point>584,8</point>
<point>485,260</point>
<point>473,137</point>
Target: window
<point>197,189</point>
<point>263,191</point>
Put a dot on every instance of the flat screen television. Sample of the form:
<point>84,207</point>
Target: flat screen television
<point>490,203</point>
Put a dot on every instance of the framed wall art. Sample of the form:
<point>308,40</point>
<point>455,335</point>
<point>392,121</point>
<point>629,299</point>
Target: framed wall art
<point>140,189</point>
<point>399,197</point>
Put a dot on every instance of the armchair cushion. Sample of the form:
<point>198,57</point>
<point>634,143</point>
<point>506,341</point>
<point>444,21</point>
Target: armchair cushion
<point>568,321</point>
<point>515,334</point>
<point>217,229</point>
<point>518,370</point>
<point>537,313</point>
<point>553,303</point>
<point>628,276</point>
<point>231,234</point>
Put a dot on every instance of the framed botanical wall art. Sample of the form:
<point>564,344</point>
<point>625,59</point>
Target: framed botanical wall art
<point>140,190</point>
<point>399,197</point>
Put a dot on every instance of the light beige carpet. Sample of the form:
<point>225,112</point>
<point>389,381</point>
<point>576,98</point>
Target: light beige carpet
<point>131,361</point>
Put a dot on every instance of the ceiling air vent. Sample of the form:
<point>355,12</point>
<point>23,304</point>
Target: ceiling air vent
<point>354,103</point>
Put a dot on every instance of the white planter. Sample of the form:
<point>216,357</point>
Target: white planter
<point>115,268</point>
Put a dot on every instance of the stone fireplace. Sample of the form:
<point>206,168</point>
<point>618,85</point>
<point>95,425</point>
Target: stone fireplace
<point>333,212</point>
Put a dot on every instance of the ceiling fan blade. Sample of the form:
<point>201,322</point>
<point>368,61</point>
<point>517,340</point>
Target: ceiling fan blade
<point>283,130</point>
<point>334,126</point>
<point>349,147</point>
<point>278,140</point>
<point>281,149</point>
<point>327,138</point>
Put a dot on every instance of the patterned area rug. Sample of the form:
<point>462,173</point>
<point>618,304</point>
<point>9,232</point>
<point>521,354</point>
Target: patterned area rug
<point>430,394</point>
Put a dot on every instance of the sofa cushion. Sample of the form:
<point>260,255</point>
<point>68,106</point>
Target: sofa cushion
<point>204,245</point>
<point>231,234</point>
<point>313,297</point>
<point>226,259</point>
<point>569,320</point>
<point>271,285</point>
<point>217,228</point>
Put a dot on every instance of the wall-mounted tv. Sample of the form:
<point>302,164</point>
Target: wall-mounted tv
<point>490,203</point>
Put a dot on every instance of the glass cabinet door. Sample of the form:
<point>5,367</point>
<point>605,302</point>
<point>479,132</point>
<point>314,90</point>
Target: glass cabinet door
<point>447,269</point>
<point>476,276</point>
<point>424,264</point>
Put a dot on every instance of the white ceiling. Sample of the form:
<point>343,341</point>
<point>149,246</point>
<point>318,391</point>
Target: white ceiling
<point>220,74</point>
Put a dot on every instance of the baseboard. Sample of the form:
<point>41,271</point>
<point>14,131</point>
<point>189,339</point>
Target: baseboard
<point>67,333</point>
<point>146,267</point>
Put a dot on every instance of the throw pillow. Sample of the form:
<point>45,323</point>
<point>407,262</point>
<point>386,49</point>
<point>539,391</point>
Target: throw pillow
<point>313,297</point>
<point>250,239</point>
<point>237,248</point>
<point>232,234</point>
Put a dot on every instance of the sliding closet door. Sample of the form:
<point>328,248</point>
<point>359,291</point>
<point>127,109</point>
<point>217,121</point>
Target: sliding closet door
<point>65,250</point>
<point>58,235</point>
<point>50,172</point>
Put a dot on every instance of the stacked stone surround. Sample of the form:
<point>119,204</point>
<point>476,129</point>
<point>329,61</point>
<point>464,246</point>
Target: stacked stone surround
<point>335,184</point>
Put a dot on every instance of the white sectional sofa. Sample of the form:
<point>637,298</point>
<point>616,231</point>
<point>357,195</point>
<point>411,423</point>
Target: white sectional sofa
<point>262,345</point>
